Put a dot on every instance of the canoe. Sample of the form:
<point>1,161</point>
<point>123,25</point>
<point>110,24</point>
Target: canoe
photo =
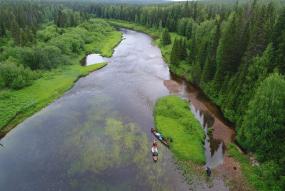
<point>154,153</point>
<point>163,141</point>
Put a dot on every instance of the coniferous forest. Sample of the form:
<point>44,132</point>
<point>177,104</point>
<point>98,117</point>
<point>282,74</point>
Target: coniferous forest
<point>233,50</point>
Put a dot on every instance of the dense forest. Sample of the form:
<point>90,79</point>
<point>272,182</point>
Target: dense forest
<point>234,51</point>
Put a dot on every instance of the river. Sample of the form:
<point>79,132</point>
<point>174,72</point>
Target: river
<point>97,136</point>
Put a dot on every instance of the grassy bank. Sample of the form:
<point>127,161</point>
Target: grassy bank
<point>16,105</point>
<point>106,46</point>
<point>256,176</point>
<point>174,119</point>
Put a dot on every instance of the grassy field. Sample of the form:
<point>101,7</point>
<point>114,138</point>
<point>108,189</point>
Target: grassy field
<point>174,120</point>
<point>16,105</point>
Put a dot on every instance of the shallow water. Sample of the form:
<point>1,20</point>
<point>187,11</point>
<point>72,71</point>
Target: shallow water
<point>94,59</point>
<point>97,136</point>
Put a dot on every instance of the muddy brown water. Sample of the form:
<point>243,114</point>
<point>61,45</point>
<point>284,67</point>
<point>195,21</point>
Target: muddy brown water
<point>97,136</point>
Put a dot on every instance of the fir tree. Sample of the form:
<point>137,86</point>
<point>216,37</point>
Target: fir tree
<point>165,37</point>
<point>174,56</point>
<point>278,41</point>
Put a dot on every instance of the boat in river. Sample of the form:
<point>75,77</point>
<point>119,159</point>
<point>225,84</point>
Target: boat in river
<point>154,152</point>
<point>159,137</point>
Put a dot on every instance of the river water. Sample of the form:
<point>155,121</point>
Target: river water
<point>94,59</point>
<point>97,136</point>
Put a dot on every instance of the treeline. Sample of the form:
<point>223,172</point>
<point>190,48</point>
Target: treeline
<point>236,53</point>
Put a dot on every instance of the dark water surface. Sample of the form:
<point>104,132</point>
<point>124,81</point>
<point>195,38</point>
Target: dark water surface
<point>97,136</point>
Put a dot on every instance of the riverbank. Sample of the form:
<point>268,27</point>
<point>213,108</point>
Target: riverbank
<point>17,105</point>
<point>237,168</point>
<point>176,122</point>
<point>20,104</point>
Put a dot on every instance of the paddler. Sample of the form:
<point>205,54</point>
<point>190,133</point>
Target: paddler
<point>154,149</point>
<point>159,136</point>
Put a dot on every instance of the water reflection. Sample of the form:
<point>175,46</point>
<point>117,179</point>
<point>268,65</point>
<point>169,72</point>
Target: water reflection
<point>94,59</point>
<point>214,148</point>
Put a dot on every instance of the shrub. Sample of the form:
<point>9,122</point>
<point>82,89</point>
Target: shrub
<point>42,57</point>
<point>47,33</point>
<point>15,76</point>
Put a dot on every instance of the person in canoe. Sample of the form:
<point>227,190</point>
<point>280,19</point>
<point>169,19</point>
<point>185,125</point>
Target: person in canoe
<point>157,134</point>
<point>154,151</point>
<point>159,137</point>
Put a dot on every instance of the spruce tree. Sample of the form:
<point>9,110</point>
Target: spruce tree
<point>174,56</point>
<point>2,30</point>
<point>165,38</point>
<point>278,42</point>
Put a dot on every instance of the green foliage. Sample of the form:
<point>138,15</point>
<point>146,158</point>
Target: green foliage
<point>185,27</point>
<point>256,72</point>
<point>67,18</point>
<point>263,177</point>
<point>70,42</point>
<point>263,127</point>
<point>178,52</point>
<point>278,40</point>
<point>174,119</point>
<point>14,76</point>
<point>165,37</point>
<point>262,133</point>
<point>47,33</point>
<point>41,57</point>
<point>230,50</point>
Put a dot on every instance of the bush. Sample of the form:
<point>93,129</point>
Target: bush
<point>72,41</point>
<point>42,57</point>
<point>47,33</point>
<point>14,76</point>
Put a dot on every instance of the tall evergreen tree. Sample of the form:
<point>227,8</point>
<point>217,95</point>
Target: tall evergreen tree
<point>174,56</point>
<point>2,30</point>
<point>210,66</point>
<point>278,41</point>
<point>165,37</point>
<point>231,48</point>
<point>178,52</point>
